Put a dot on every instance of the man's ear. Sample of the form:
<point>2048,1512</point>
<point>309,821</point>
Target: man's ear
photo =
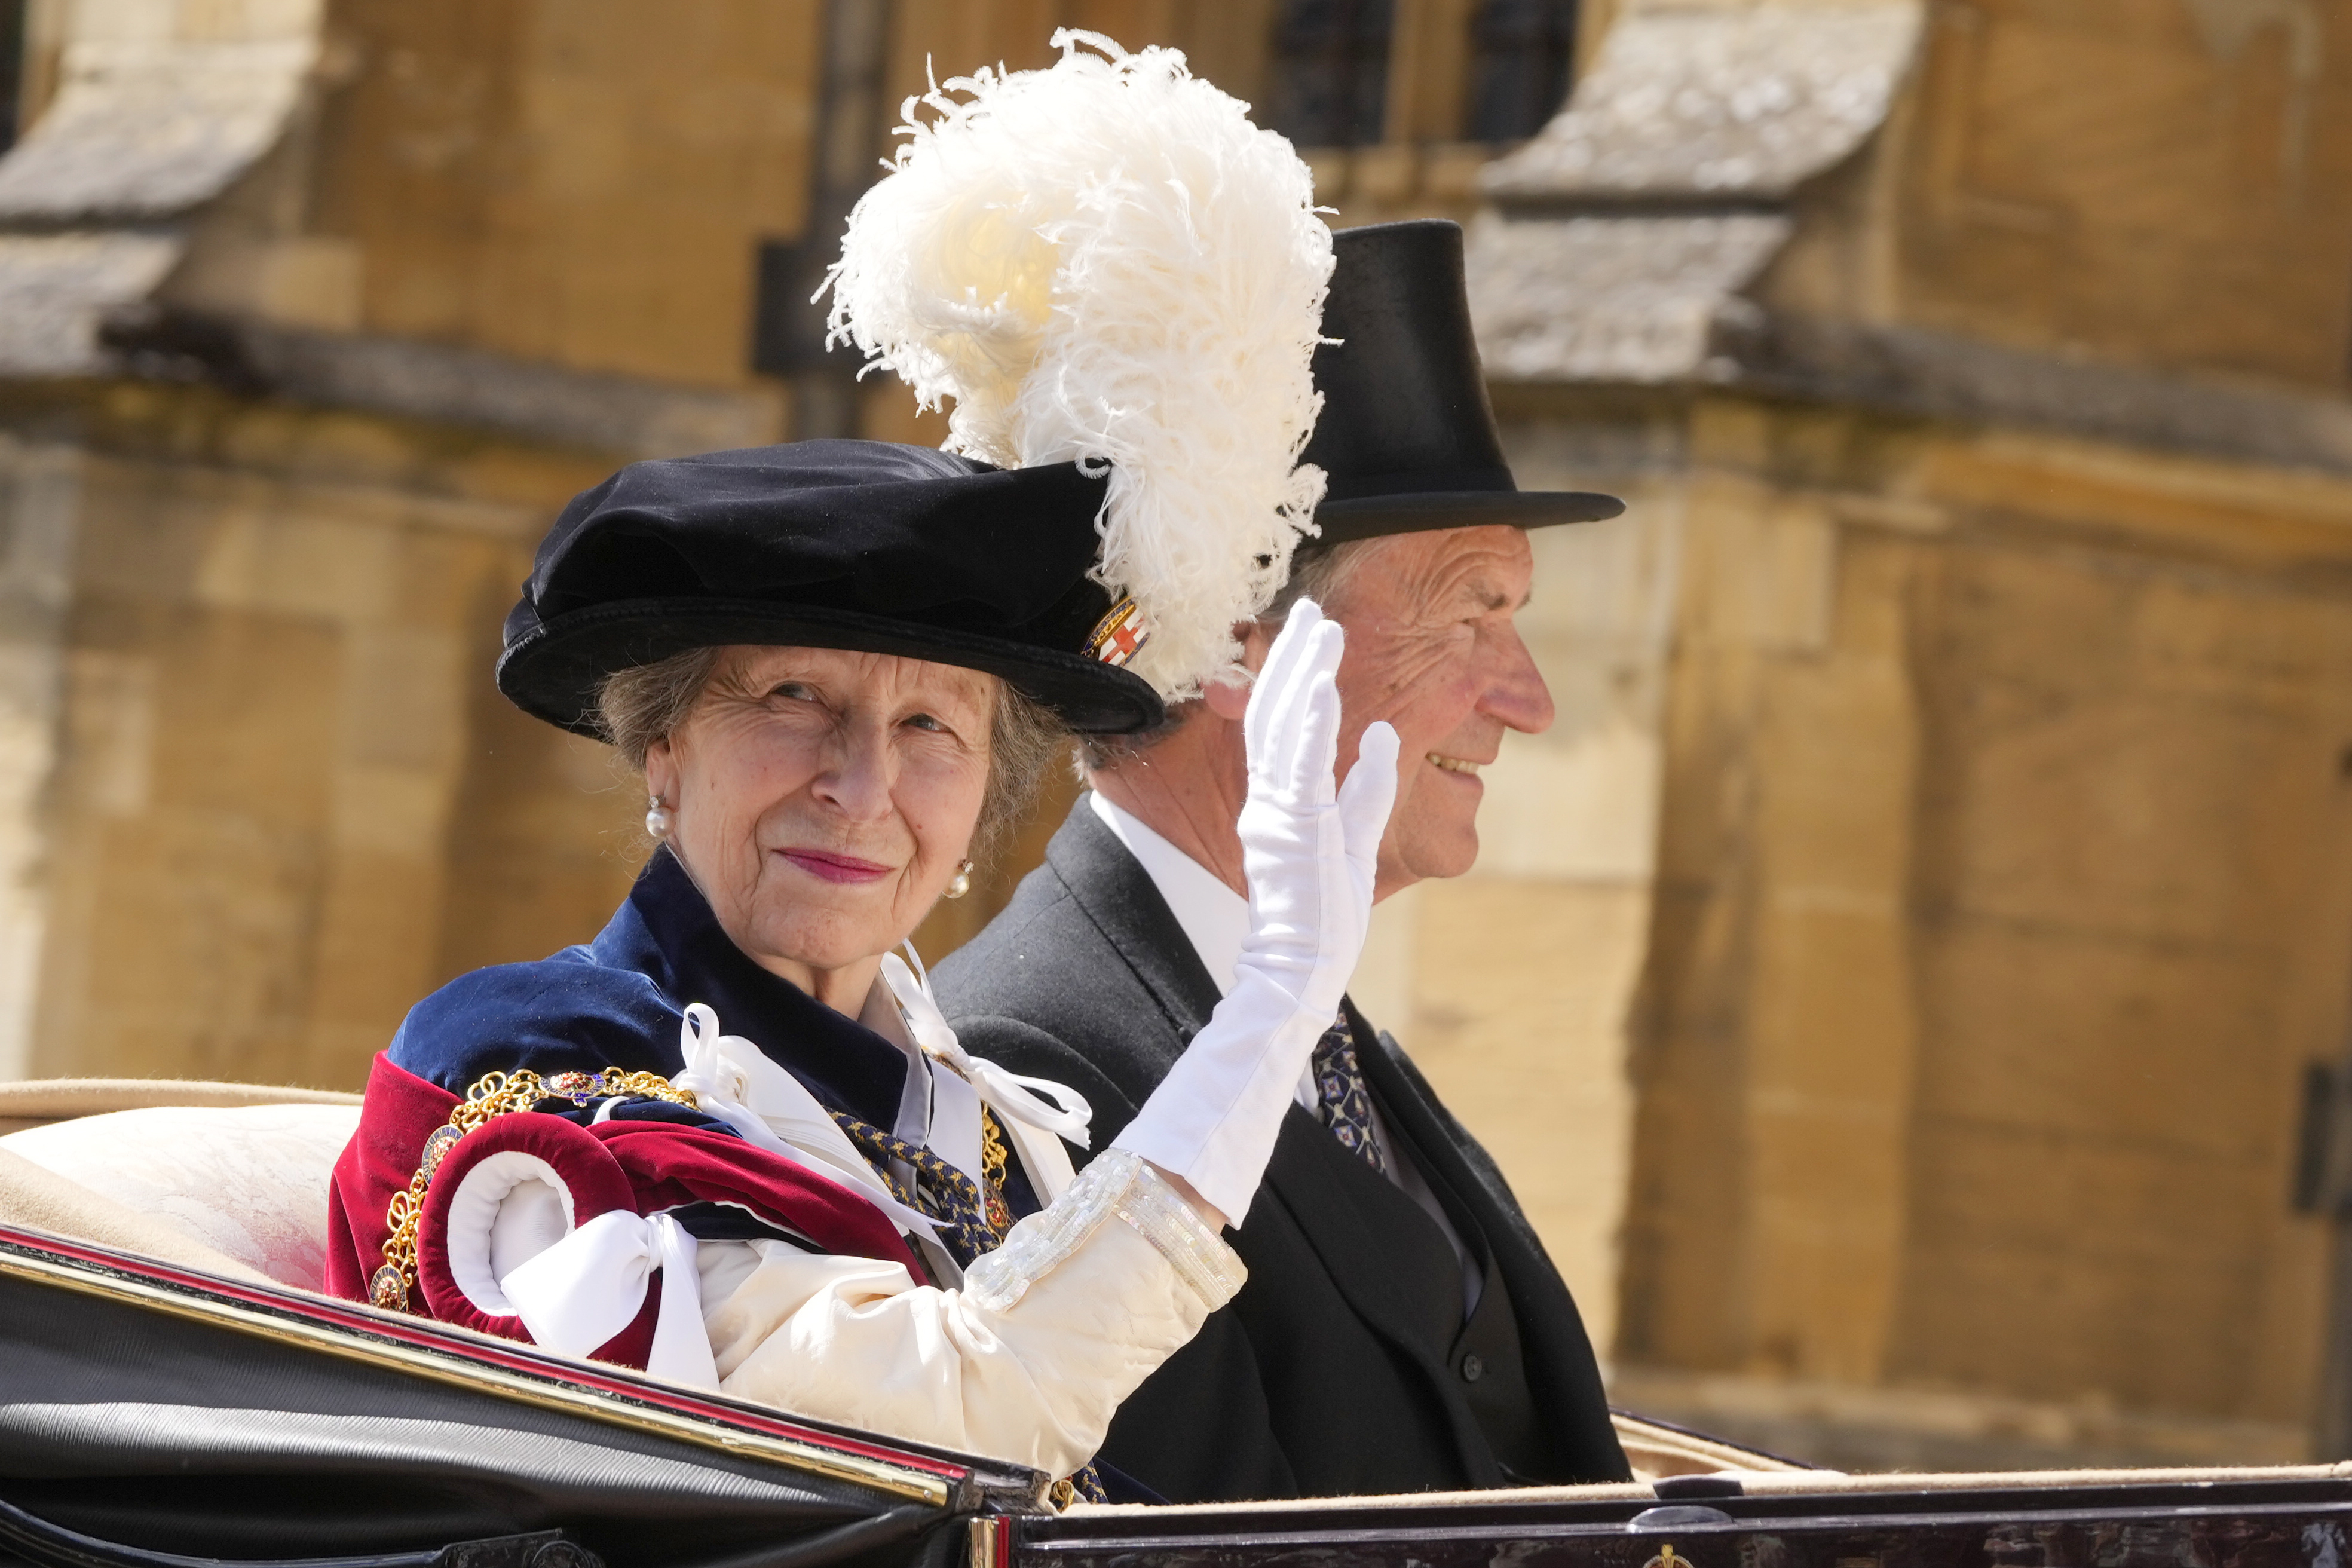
<point>1227,695</point>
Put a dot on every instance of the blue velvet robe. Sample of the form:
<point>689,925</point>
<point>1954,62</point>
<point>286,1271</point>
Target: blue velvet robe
<point>619,1001</point>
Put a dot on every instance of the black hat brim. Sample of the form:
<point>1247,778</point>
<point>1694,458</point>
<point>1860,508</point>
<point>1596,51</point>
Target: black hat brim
<point>554,671</point>
<point>1371,516</point>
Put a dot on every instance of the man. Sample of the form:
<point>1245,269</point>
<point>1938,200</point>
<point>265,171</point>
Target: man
<point>1402,1329</point>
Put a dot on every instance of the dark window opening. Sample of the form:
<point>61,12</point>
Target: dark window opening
<point>12,68</point>
<point>788,323</point>
<point>1522,54</point>
<point>787,329</point>
<point>1331,70</point>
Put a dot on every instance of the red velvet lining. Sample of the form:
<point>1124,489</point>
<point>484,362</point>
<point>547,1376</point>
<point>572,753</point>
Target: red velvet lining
<point>672,1165</point>
<point>598,1186</point>
<point>400,1113</point>
<point>666,1166</point>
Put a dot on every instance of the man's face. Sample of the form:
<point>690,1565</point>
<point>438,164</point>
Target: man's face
<point>1433,650</point>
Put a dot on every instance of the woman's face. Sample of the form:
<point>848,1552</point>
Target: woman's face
<point>822,800</point>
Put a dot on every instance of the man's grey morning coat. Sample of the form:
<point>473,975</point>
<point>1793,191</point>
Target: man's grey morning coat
<point>1345,1366</point>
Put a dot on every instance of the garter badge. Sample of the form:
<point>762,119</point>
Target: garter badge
<point>389,1290</point>
<point>1119,635</point>
<point>436,1148</point>
<point>575,1087</point>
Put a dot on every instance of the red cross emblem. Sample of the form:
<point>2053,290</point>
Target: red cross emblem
<point>1119,635</point>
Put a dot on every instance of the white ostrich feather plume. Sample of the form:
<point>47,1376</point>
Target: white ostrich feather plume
<point>1106,261</point>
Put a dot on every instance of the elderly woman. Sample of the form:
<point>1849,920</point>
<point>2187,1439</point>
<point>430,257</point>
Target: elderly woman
<point>840,666</point>
<point>731,1140</point>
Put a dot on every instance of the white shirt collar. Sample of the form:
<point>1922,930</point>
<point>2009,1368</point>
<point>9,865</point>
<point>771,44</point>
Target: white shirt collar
<point>1214,916</point>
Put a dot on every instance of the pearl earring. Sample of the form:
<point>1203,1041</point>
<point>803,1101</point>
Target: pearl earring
<point>959,884</point>
<point>658,818</point>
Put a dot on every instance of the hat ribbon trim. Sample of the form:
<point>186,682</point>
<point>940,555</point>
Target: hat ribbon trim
<point>1417,481</point>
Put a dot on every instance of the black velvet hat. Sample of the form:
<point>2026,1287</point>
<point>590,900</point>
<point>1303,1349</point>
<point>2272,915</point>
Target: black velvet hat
<point>844,544</point>
<point>1407,438</point>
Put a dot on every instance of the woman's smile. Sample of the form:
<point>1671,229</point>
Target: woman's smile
<point>833,866</point>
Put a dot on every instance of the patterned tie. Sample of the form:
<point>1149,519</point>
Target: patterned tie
<point>942,1192</point>
<point>972,1222</point>
<point>1342,1103</point>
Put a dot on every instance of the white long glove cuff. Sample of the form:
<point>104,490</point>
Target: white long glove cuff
<point>1309,850</point>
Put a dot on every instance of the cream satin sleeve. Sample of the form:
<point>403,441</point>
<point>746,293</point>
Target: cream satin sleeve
<point>1026,1361</point>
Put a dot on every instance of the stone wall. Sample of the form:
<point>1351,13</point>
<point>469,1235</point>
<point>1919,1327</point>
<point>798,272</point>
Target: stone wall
<point>280,801</point>
<point>1986,361</point>
<point>583,183</point>
<point>2005,887</point>
<point>2152,182</point>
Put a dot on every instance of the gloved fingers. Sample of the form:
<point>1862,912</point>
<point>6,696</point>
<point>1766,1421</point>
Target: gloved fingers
<point>1298,624</point>
<point>1309,744</point>
<point>1269,681</point>
<point>1369,792</point>
<point>1282,701</point>
<point>1280,686</point>
<point>1273,687</point>
<point>1314,756</point>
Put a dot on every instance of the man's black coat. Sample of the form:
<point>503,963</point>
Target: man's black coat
<point>1314,1382</point>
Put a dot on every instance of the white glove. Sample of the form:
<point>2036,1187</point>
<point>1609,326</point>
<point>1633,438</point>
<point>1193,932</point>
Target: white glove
<point>1310,854</point>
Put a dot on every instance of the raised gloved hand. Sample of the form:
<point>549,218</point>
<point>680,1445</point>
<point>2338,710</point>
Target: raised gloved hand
<point>1309,850</point>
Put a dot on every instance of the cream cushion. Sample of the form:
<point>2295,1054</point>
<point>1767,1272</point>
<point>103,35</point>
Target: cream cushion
<point>249,1182</point>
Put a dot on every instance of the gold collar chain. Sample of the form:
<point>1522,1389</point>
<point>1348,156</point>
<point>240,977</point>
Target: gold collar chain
<point>493,1095</point>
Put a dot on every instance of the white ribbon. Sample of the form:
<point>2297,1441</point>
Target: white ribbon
<point>577,1294</point>
<point>1037,1111</point>
<point>1039,1102</point>
<point>732,1080</point>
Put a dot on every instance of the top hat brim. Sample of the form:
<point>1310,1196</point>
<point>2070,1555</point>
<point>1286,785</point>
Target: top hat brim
<point>1371,516</point>
<point>554,671</point>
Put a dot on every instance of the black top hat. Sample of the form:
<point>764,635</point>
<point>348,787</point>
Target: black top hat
<point>1407,438</point>
<point>845,544</point>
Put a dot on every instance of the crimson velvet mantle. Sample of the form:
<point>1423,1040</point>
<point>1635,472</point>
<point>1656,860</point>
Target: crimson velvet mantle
<point>619,1002</point>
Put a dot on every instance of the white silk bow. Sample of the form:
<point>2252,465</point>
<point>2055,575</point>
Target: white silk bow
<point>737,1082</point>
<point>1029,1106</point>
<point>734,1081</point>
<point>577,1294</point>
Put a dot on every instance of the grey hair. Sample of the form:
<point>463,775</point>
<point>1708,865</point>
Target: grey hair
<point>1319,571</point>
<point>637,708</point>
